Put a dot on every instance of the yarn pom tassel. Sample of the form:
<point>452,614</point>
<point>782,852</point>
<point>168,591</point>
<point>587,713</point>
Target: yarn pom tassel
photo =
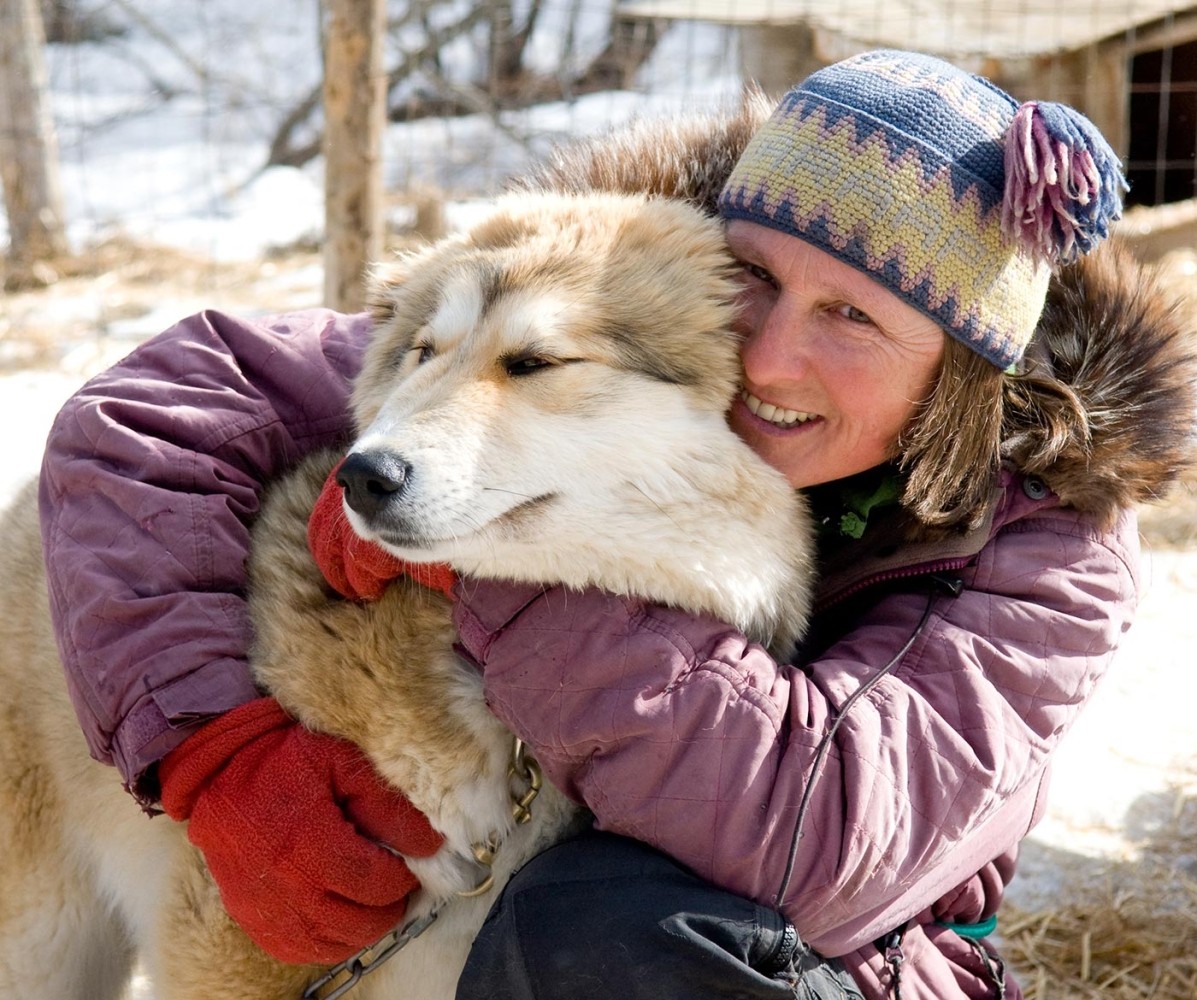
<point>1063,182</point>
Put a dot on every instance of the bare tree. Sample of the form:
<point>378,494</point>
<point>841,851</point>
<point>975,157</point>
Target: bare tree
<point>503,82</point>
<point>28,148</point>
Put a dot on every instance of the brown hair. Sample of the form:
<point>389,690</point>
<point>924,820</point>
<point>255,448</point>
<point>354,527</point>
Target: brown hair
<point>975,416</point>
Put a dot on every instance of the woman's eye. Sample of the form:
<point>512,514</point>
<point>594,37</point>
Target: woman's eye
<point>758,272</point>
<point>854,314</point>
<point>526,364</point>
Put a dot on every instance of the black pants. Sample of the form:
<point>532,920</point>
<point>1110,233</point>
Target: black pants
<point>606,918</point>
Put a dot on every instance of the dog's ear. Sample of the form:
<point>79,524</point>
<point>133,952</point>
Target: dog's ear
<point>383,283</point>
<point>505,228</point>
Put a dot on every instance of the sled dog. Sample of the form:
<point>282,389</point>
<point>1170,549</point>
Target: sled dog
<point>556,380</point>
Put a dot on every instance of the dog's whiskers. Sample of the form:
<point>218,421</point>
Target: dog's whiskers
<point>514,493</point>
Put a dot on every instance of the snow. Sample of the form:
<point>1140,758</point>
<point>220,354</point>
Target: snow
<point>1136,737</point>
<point>164,130</point>
<point>187,173</point>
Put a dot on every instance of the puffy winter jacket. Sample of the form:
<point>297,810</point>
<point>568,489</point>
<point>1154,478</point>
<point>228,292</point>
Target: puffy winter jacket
<point>912,751</point>
<point>152,475</point>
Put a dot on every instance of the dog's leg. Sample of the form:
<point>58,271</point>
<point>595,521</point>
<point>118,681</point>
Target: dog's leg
<point>196,952</point>
<point>58,937</point>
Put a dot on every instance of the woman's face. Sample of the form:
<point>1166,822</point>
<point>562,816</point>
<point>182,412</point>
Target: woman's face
<point>835,364</point>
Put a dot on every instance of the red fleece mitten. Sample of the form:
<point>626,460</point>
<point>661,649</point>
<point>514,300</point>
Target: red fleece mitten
<point>298,830</point>
<point>356,568</point>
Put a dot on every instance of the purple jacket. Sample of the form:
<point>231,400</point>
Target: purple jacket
<point>152,474</point>
<point>927,786</point>
<point>152,477</point>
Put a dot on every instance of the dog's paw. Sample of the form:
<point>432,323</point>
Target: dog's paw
<point>448,874</point>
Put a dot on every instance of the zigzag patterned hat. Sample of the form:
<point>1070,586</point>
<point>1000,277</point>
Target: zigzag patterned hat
<point>936,184</point>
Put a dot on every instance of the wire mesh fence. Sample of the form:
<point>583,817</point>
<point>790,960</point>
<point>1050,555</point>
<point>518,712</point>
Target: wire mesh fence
<point>190,104</point>
<point>199,125</point>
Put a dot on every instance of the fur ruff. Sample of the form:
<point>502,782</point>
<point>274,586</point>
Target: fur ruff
<point>1123,346</point>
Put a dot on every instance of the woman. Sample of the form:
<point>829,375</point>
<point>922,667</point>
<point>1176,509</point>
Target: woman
<point>843,823</point>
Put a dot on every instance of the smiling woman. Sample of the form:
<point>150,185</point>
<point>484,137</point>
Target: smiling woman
<point>897,222</point>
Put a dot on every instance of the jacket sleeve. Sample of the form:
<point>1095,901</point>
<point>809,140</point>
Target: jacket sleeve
<point>151,477</point>
<point>678,732</point>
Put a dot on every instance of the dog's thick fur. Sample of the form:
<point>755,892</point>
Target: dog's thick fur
<point>555,382</point>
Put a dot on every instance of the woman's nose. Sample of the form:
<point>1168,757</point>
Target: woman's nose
<point>775,346</point>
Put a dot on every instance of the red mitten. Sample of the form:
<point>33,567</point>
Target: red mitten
<point>298,830</point>
<point>356,568</point>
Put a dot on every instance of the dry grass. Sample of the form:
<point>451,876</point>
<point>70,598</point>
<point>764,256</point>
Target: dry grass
<point>86,296</point>
<point>1127,930</point>
<point>1173,523</point>
<point>1114,947</point>
<point>121,282</point>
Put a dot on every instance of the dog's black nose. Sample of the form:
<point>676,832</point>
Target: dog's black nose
<point>371,479</point>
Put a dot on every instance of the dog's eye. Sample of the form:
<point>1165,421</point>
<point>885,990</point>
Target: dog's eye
<point>420,353</point>
<point>526,364</point>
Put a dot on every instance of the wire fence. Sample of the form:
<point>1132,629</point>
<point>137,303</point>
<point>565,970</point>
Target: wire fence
<point>198,125</point>
<point>189,105</point>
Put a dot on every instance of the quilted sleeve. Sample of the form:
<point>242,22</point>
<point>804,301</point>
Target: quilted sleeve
<point>151,477</point>
<point>679,732</point>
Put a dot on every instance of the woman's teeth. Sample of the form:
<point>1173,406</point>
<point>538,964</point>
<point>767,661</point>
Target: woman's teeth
<point>774,414</point>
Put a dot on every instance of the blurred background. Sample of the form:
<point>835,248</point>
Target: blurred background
<point>159,157</point>
<point>185,142</point>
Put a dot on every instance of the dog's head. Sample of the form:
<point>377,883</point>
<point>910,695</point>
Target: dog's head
<point>535,375</point>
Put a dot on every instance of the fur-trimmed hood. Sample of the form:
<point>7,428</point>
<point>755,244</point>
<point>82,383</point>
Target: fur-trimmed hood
<point>1121,343</point>
<point>1126,347</point>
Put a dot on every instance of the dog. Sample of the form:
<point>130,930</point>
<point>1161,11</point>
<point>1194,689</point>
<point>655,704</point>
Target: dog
<point>552,387</point>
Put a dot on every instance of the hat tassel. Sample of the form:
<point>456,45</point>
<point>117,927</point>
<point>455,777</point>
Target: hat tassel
<point>1063,183</point>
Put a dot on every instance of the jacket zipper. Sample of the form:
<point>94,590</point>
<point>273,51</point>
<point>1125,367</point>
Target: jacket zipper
<point>921,569</point>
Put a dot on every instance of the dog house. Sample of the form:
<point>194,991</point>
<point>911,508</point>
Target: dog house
<point>1130,65</point>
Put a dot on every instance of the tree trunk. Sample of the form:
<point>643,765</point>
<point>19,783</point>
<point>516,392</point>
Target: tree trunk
<point>28,148</point>
<point>354,116</point>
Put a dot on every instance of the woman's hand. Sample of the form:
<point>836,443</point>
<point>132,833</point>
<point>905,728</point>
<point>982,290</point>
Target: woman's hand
<point>301,834</point>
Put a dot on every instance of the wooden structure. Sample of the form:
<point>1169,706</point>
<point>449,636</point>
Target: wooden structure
<point>1130,66</point>
<point>354,118</point>
<point>28,146</point>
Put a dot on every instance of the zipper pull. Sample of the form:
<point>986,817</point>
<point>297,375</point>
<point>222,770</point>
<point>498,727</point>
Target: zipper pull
<point>894,959</point>
<point>951,585</point>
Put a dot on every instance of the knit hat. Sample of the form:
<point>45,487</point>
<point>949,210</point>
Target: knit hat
<point>936,184</point>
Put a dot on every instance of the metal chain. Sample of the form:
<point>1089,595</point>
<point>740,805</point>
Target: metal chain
<point>367,960</point>
<point>523,770</point>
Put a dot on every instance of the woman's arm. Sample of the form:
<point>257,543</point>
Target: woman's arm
<point>152,475</point>
<point>677,731</point>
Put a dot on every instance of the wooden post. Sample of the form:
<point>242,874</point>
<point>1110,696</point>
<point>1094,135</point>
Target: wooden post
<point>354,116</point>
<point>28,148</point>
